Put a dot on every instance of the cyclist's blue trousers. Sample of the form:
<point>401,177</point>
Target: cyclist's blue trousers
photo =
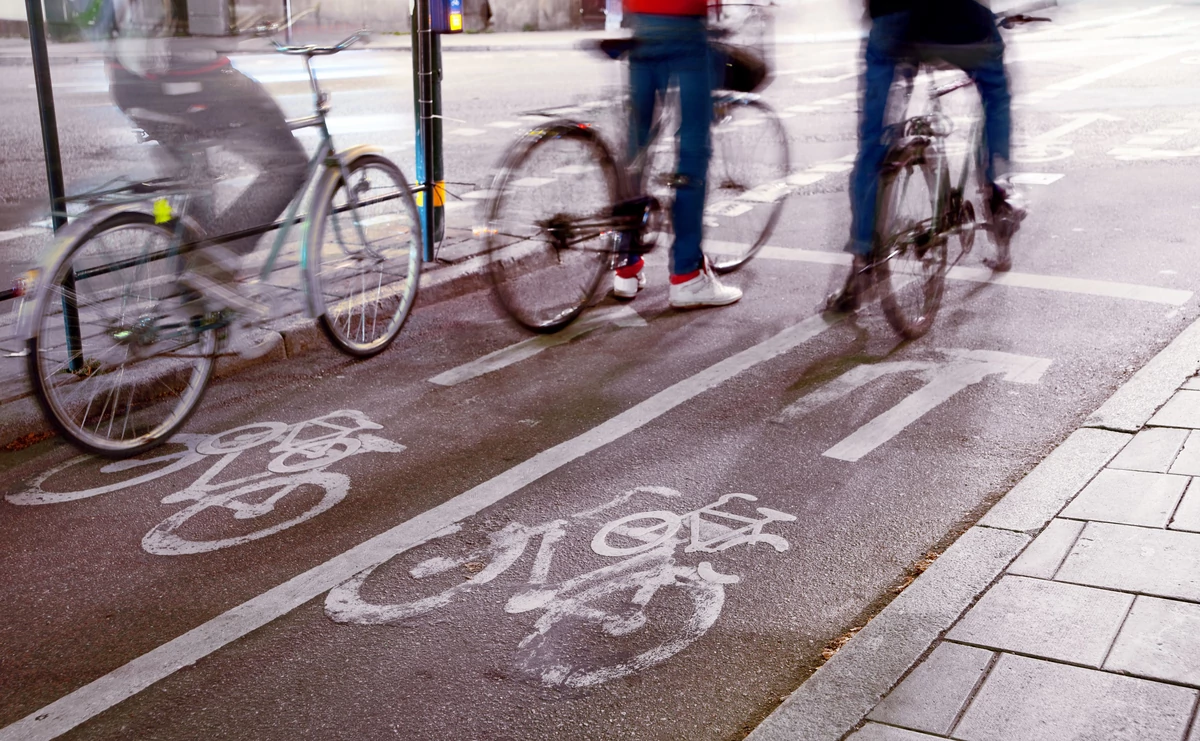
<point>676,47</point>
<point>886,47</point>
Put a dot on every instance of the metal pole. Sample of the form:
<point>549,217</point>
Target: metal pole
<point>426,92</point>
<point>45,96</point>
<point>54,176</point>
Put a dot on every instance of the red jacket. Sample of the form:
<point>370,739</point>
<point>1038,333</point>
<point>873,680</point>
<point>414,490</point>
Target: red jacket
<point>667,7</point>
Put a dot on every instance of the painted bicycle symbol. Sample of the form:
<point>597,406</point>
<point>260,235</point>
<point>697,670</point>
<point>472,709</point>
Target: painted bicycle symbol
<point>301,453</point>
<point>586,614</point>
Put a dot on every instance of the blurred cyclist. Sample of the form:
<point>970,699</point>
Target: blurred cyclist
<point>672,45</point>
<point>183,96</point>
<point>962,33</point>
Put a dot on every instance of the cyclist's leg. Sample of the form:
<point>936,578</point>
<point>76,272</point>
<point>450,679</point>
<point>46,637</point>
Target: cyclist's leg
<point>986,68</point>
<point>649,75</point>
<point>693,69</point>
<point>248,123</point>
<point>881,54</point>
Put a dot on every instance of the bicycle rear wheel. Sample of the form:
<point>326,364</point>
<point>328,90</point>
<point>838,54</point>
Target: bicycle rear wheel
<point>550,231</point>
<point>746,181</point>
<point>134,367</point>
<point>364,255</point>
<point>911,260</point>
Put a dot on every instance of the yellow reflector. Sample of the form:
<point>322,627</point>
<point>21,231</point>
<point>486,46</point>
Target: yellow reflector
<point>162,211</point>
<point>456,21</point>
<point>439,195</point>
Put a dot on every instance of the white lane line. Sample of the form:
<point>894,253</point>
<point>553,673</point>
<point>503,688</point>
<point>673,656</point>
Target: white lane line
<point>1035,178</point>
<point>1103,288</point>
<point>18,233</point>
<point>120,684</point>
<point>621,316</point>
<point>467,132</point>
<point>1113,70</point>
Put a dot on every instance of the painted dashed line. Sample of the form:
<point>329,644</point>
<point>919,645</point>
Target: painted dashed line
<point>19,233</point>
<point>1145,146</point>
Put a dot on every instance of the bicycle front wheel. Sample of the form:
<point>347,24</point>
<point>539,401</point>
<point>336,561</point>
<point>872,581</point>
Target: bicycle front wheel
<point>911,261</point>
<point>118,358</point>
<point>746,181</point>
<point>550,230</point>
<point>364,255</point>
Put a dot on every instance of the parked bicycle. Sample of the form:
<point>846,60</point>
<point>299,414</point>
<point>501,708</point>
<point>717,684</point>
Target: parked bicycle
<point>563,207</point>
<point>921,207</point>
<point>119,354</point>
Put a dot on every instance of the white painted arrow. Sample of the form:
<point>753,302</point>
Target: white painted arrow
<point>966,368</point>
<point>942,381</point>
<point>621,316</point>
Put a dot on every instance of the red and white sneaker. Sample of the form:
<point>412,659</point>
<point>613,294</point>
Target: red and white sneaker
<point>628,280</point>
<point>701,289</point>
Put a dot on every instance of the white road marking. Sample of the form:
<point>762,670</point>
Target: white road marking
<point>802,179</point>
<point>942,382</point>
<point>506,124</point>
<point>19,233</point>
<point>575,169</point>
<point>1080,121</point>
<point>832,167</point>
<point>101,694</point>
<point>531,182</point>
<point>621,316</point>
<point>467,132</point>
<point>1035,178</point>
<point>1103,288</point>
<point>823,80</point>
<point>1113,70</point>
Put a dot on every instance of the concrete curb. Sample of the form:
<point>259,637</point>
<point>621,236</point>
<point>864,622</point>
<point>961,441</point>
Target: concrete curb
<point>1136,401</point>
<point>286,339</point>
<point>836,698</point>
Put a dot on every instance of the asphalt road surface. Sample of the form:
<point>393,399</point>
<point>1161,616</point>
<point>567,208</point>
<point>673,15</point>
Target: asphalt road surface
<point>648,530</point>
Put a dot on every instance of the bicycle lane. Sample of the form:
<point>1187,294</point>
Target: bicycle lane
<point>269,546</point>
<point>855,536</point>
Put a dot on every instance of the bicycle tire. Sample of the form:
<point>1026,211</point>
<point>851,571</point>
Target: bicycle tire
<point>164,540</point>
<point>559,658</point>
<point>911,250</point>
<point>546,261</point>
<point>746,181</point>
<point>364,261</point>
<point>346,602</point>
<point>142,354</point>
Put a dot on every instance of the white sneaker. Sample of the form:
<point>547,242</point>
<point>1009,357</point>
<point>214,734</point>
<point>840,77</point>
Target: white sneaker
<point>627,288</point>
<point>703,290</point>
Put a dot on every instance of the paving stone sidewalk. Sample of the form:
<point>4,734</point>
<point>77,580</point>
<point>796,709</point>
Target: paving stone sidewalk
<point>1093,632</point>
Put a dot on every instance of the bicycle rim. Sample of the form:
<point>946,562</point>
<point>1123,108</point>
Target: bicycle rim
<point>912,260</point>
<point>550,234</point>
<point>365,259</point>
<point>142,361</point>
<point>746,182</point>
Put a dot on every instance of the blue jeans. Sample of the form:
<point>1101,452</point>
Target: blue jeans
<point>675,48</point>
<point>886,48</point>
